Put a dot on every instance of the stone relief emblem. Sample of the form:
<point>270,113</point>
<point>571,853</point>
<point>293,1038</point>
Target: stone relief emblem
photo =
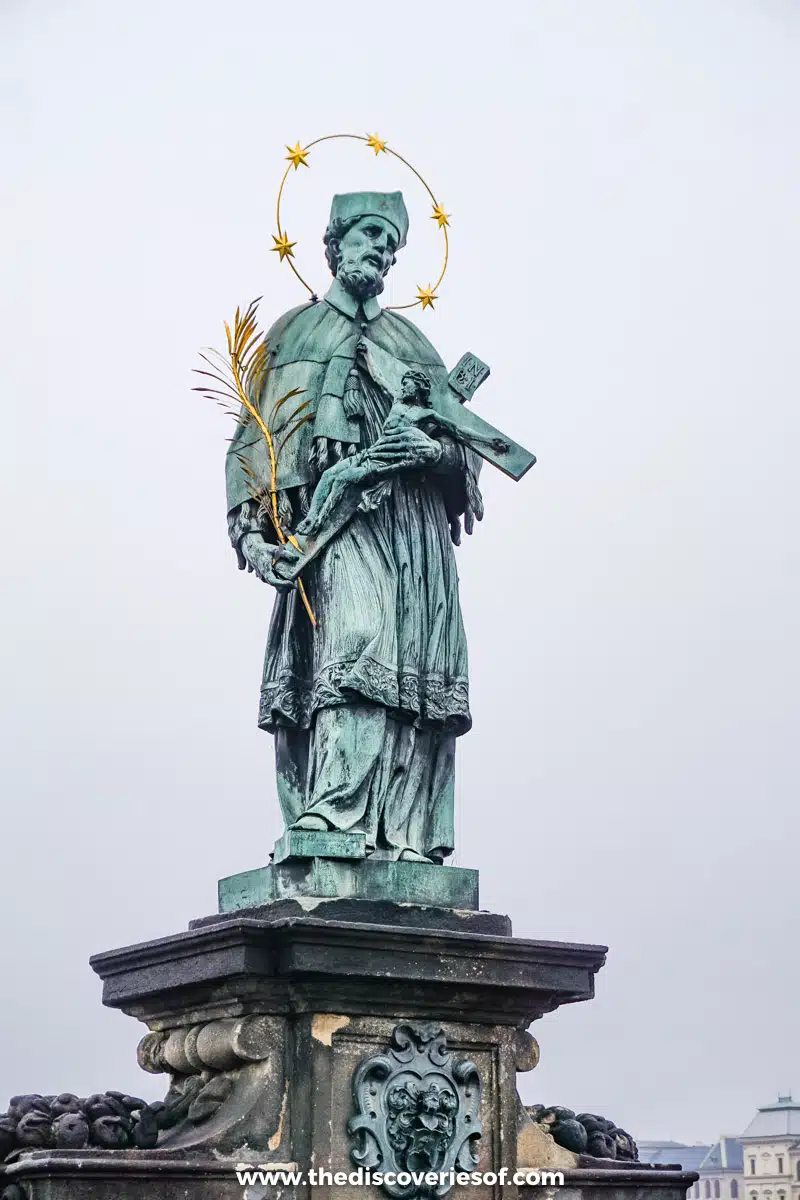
<point>417,1111</point>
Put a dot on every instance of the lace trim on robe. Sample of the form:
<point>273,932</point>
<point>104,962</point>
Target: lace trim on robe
<point>428,699</point>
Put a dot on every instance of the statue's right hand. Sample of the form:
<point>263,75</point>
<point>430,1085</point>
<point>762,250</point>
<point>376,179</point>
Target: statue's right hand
<point>258,556</point>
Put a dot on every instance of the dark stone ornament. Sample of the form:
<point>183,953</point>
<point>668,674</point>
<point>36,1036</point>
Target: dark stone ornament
<point>585,1133</point>
<point>106,1120</point>
<point>417,1111</point>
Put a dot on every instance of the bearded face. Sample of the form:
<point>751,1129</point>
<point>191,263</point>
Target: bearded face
<point>365,256</point>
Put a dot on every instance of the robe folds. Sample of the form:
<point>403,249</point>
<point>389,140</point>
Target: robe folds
<point>365,708</point>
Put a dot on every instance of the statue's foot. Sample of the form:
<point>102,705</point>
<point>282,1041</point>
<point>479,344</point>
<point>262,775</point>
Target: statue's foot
<point>408,855</point>
<point>312,822</point>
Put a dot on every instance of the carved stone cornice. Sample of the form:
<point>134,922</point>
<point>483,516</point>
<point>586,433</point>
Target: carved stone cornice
<point>303,964</point>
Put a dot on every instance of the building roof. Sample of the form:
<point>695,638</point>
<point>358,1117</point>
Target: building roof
<point>781,1119</point>
<point>724,1155</point>
<point>689,1157</point>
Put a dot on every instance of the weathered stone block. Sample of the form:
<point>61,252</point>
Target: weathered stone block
<point>153,1175</point>
<point>312,843</point>
<point>304,964</point>
<point>336,1053</point>
<point>122,1175</point>
<point>368,912</point>
<point>353,878</point>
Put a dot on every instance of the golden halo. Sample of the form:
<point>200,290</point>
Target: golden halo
<point>298,156</point>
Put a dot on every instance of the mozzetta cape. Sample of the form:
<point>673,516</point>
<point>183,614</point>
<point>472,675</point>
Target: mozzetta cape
<point>313,348</point>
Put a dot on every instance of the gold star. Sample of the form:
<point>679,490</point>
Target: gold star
<point>375,143</point>
<point>283,246</point>
<point>440,216</point>
<point>426,296</point>
<point>297,155</point>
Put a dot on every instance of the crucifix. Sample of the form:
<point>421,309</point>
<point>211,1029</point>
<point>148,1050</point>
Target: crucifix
<point>443,410</point>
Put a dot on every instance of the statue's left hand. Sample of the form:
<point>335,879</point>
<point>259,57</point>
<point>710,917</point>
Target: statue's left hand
<point>406,446</point>
<point>259,557</point>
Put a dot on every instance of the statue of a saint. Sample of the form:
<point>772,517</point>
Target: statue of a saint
<point>365,706</point>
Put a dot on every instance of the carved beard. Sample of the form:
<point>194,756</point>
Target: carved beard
<point>360,277</point>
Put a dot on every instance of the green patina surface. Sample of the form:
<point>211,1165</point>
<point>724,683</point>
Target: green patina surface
<point>307,843</point>
<point>364,879</point>
<point>378,479</point>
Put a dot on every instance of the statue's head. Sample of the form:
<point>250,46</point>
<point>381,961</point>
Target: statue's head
<point>415,385</point>
<point>364,232</point>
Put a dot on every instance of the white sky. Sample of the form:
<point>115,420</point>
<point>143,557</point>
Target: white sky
<point>624,179</point>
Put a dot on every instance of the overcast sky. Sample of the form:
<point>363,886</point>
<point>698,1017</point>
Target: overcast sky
<point>624,179</point>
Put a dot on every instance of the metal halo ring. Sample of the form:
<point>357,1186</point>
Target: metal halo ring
<point>297,157</point>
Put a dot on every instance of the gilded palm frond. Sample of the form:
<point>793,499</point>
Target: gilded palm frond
<point>237,380</point>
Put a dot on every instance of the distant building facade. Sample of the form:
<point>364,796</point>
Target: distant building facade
<point>771,1149</point>
<point>763,1163</point>
<point>721,1172</point>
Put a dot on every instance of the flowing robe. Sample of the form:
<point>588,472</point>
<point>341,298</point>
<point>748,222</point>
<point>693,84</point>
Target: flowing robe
<point>365,708</point>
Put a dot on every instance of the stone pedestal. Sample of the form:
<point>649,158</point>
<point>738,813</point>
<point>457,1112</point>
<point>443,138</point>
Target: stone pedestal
<point>264,1022</point>
<point>263,1017</point>
<point>311,1032</point>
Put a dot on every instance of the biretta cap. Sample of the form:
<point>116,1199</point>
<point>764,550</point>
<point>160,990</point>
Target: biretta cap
<point>389,205</point>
